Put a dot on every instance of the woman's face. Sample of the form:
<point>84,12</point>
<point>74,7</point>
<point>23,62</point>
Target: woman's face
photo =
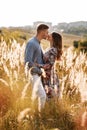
<point>50,39</point>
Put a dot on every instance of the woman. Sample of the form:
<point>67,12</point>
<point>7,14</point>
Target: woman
<point>51,81</point>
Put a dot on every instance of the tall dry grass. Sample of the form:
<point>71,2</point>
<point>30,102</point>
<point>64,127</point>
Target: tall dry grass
<point>15,92</point>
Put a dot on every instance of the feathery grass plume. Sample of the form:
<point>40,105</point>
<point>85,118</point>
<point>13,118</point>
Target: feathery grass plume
<point>27,72</point>
<point>6,70</point>
<point>6,97</point>
<point>23,95</point>
<point>23,114</point>
<point>84,119</point>
<point>4,82</point>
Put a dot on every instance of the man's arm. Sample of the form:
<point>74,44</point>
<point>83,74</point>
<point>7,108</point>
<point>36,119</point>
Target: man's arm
<point>29,52</point>
<point>29,61</point>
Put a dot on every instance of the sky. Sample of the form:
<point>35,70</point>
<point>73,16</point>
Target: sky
<point>25,12</point>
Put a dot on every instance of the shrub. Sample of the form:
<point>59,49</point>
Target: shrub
<point>83,44</point>
<point>75,44</point>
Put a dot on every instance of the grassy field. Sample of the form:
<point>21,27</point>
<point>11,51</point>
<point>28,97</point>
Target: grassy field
<point>68,39</point>
<point>22,35</point>
<point>65,113</point>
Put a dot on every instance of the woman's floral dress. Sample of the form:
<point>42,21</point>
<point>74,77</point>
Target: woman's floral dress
<point>51,80</point>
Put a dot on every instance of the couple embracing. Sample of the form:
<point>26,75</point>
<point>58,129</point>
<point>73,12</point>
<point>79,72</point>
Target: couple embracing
<point>46,86</point>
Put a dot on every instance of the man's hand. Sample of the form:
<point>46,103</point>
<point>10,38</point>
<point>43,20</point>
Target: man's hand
<point>46,66</point>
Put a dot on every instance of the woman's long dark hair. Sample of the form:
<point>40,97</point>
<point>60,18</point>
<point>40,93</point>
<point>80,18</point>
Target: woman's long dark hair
<point>57,43</point>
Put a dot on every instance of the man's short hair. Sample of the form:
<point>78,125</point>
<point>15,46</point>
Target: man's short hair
<point>42,27</point>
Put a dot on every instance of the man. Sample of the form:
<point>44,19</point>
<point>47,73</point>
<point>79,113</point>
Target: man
<point>33,56</point>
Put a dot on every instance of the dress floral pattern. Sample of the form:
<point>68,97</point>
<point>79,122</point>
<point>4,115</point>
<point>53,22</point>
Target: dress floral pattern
<point>51,79</point>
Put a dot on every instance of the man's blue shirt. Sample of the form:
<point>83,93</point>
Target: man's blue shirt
<point>33,52</point>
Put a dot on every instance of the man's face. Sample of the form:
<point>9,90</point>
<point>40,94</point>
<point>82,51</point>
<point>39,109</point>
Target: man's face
<point>45,34</point>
